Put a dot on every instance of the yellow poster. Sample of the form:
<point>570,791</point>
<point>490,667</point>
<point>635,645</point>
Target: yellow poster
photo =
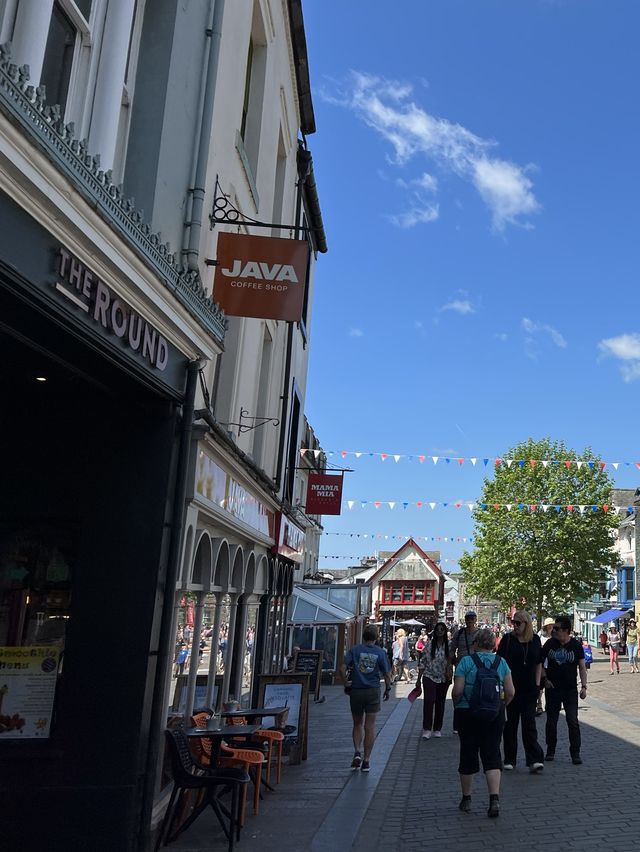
<point>27,689</point>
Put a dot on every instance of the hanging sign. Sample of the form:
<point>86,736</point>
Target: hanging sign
<point>324,494</point>
<point>261,277</point>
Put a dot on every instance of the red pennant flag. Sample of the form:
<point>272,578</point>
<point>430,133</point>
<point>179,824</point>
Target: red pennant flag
<point>568,464</point>
<point>421,459</point>
<point>603,465</point>
<point>384,456</point>
<point>419,504</point>
<point>498,462</point>
<point>460,461</point>
<point>606,507</point>
<point>343,454</point>
<point>637,464</point>
<point>569,508</point>
<point>457,505</point>
<point>377,504</point>
<point>533,462</point>
<point>534,506</point>
<point>496,505</point>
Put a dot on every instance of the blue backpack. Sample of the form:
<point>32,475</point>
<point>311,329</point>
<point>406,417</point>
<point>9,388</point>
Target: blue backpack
<point>486,701</point>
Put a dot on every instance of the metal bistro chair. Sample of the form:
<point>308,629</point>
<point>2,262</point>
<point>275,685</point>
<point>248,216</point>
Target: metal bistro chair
<point>271,737</point>
<point>190,774</point>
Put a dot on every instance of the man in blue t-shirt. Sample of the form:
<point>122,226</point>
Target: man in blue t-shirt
<point>368,663</point>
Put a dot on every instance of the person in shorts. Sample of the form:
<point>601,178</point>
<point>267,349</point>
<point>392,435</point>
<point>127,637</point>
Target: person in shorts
<point>368,663</point>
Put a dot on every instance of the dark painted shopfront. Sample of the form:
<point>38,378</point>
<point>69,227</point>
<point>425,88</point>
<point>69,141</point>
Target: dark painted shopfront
<point>90,394</point>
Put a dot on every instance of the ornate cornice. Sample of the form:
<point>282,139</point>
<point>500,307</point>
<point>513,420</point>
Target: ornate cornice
<point>26,106</point>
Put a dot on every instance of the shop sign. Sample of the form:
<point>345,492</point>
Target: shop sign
<point>324,494</point>
<point>261,277</point>
<point>289,539</point>
<point>27,688</point>
<point>215,485</point>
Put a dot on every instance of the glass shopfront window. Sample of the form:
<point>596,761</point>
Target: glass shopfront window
<point>326,641</point>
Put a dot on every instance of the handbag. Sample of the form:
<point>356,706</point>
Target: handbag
<point>416,691</point>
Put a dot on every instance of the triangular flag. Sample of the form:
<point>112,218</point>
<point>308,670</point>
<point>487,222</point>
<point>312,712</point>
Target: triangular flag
<point>432,505</point>
<point>509,507</point>
<point>473,461</point>
<point>384,456</point>
<point>419,504</point>
<point>484,505</point>
<point>533,462</point>
<point>421,459</point>
<point>377,504</point>
<point>496,505</point>
<point>569,508</point>
<point>557,508</point>
<point>603,465</point>
<point>485,462</point>
<point>590,465</point>
<point>520,505</point>
<point>445,504</point>
<point>392,504</point>
<point>579,464</point>
<point>567,464</point>
<point>397,458</point>
<point>357,455</point>
<point>344,454</point>
<point>637,464</point>
<point>582,508</point>
<point>448,461</point>
<point>605,508</point>
<point>533,507</point>
<point>435,459</point>
<point>544,506</point>
<point>615,465</point>
<point>545,463</point>
<point>363,503</point>
<point>404,505</point>
<point>460,462</point>
<point>594,508</point>
<point>498,462</point>
<point>521,462</point>
<point>350,503</point>
<point>458,505</point>
<point>318,453</point>
<point>508,462</point>
<point>471,508</point>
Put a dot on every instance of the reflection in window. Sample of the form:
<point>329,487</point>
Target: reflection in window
<point>58,58</point>
<point>303,637</point>
<point>326,641</point>
<point>396,593</point>
<point>387,593</point>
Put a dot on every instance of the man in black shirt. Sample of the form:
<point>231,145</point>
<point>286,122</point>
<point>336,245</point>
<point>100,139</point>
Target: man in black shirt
<point>564,657</point>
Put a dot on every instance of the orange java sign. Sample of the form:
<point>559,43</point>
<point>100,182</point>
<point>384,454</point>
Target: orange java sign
<point>261,276</point>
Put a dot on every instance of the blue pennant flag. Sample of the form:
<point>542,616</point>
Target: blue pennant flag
<point>448,461</point>
<point>558,508</point>
<point>590,465</point>
<point>521,462</point>
<point>484,505</point>
<point>520,505</point>
<point>486,462</point>
<point>404,505</point>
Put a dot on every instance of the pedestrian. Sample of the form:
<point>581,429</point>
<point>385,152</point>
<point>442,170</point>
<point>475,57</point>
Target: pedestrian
<point>545,635</point>
<point>603,640</point>
<point>368,663</point>
<point>463,644</point>
<point>564,658</point>
<point>434,667</point>
<point>522,651</point>
<point>400,655</point>
<point>480,736</point>
<point>614,639</point>
<point>632,646</point>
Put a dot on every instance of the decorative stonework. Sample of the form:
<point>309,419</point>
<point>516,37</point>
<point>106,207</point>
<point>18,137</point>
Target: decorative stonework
<point>26,106</point>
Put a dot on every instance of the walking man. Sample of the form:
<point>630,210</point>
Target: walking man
<point>463,644</point>
<point>368,664</point>
<point>564,656</point>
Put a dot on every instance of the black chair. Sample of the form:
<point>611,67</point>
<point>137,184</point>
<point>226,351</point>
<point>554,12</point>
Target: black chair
<point>190,774</point>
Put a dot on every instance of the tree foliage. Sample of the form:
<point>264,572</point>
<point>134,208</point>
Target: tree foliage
<point>541,559</point>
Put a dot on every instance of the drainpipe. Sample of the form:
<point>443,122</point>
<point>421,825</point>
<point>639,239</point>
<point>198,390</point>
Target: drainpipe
<point>164,658</point>
<point>214,35</point>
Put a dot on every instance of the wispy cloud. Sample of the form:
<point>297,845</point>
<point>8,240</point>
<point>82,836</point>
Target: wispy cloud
<point>356,332</point>
<point>625,347</point>
<point>389,108</point>
<point>502,337</point>
<point>415,216</point>
<point>460,306</point>
<point>535,328</point>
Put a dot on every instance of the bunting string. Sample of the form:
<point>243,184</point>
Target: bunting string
<point>402,537</point>
<point>365,556</point>
<point>575,508</point>
<point>459,461</point>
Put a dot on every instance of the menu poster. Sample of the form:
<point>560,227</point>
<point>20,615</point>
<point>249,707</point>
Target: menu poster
<point>27,689</point>
<point>284,695</point>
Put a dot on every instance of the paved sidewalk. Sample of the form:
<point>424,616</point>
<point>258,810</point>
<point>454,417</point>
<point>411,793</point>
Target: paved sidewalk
<point>409,800</point>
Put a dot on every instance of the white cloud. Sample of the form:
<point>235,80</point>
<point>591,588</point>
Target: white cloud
<point>415,216</point>
<point>626,347</point>
<point>387,107</point>
<point>460,306</point>
<point>356,332</point>
<point>533,328</point>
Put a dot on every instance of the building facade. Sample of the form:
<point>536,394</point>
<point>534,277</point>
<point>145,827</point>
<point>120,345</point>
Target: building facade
<point>152,443</point>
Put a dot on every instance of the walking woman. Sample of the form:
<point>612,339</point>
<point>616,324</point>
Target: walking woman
<point>435,669</point>
<point>476,735</point>
<point>522,650</point>
<point>632,646</point>
<point>614,639</point>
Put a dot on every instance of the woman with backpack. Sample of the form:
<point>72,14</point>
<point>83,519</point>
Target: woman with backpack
<point>522,651</point>
<point>482,686</point>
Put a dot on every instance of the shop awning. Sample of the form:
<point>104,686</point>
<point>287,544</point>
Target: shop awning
<point>609,615</point>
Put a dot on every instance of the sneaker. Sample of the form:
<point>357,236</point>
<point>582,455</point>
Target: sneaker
<point>357,760</point>
<point>437,733</point>
<point>507,766</point>
<point>536,767</point>
<point>550,755</point>
<point>494,808</point>
<point>576,760</point>
<point>465,804</point>
<point>426,735</point>
<point>365,766</point>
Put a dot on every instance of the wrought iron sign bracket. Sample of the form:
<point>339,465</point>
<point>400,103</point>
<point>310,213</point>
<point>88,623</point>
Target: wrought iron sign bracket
<point>244,427</point>
<point>225,213</point>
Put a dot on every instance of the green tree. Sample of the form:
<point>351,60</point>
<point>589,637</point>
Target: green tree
<point>527,552</point>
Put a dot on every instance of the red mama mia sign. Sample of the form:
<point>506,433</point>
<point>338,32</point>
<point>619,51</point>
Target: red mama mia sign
<point>261,277</point>
<point>324,494</point>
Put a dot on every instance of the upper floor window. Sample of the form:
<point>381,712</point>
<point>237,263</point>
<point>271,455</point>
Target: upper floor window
<point>58,57</point>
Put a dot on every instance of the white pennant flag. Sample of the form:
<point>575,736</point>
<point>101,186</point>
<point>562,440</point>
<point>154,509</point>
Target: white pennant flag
<point>473,461</point>
<point>508,462</point>
<point>357,455</point>
<point>435,459</point>
<point>472,506</point>
<point>544,507</point>
<point>582,508</point>
<point>579,464</point>
<point>509,507</point>
<point>615,465</point>
<point>433,505</point>
<point>397,458</point>
<point>317,453</point>
<point>392,504</point>
<point>350,503</point>
<point>545,463</point>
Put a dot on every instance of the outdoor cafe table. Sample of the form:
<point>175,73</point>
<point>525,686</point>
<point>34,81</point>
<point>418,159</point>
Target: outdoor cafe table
<point>216,735</point>
<point>253,713</point>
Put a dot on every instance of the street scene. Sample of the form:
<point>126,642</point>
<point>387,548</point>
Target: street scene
<point>319,382</point>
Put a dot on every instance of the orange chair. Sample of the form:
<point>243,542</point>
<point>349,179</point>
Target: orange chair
<point>232,757</point>
<point>270,737</point>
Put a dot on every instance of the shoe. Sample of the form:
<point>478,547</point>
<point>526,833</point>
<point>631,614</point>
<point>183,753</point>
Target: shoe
<point>465,804</point>
<point>507,766</point>
<point>549,756</point>
<point>612,673</point>
<point>437,733</point>
<point>577,760</point>
<point>536,767</point>
<point>357,760</point>
<point>494,808</point>
<point>365,766</point>
<point>426,735</point>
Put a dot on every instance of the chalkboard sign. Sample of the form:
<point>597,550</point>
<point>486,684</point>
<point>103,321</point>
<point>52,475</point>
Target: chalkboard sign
<point>292,691</point>
<point>311,663</point>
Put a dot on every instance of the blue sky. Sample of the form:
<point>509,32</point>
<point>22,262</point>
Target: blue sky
<point>478,163</point>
